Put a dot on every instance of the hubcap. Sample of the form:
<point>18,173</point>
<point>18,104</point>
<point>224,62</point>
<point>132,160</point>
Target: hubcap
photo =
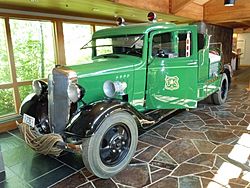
<point>115,144</point>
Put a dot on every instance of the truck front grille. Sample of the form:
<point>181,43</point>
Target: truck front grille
<point>59,103</point>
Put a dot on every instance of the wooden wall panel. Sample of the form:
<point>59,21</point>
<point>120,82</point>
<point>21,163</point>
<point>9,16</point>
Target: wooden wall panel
<point>177,6</point>
<point>216,12</point>
<point>157,6</point>
<point>192,11</point>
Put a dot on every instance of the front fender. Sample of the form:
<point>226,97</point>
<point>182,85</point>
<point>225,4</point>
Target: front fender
<point>35,106</point>
<point>88,120</point>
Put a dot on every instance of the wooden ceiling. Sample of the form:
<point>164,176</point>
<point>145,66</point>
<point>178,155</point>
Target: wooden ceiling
<point>178,11</point>
<point>237,16</point>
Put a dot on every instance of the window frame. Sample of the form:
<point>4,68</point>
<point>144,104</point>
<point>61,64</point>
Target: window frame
<point>60,59</point>
<point>176,30</point>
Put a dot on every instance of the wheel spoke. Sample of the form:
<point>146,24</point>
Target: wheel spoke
<point>109,135</point>
<point>105,152</point>
<point>121,131</point>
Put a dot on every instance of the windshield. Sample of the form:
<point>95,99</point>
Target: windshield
<point>113,46</point>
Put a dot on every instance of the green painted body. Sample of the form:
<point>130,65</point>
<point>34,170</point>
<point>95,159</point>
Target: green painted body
<point>153,82</point>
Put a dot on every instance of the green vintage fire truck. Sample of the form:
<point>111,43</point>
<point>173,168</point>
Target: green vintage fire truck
<point>97,107</point>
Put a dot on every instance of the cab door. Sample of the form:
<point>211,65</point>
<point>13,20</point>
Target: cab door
<point>172,69</point>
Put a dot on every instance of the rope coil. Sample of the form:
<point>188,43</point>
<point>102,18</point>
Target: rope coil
<point>44,144</point>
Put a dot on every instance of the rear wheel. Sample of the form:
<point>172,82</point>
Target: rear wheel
<point>220,96</point>
<point>227,72</point>
<point>112,147</point>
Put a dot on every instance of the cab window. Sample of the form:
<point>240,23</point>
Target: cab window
<point>163,45</point>
<point>172,44</point>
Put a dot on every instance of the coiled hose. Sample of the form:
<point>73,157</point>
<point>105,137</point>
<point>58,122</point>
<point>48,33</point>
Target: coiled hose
<point>44,144</point>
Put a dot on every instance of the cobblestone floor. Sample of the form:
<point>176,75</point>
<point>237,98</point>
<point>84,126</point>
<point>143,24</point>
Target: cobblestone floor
<point>205,147</point>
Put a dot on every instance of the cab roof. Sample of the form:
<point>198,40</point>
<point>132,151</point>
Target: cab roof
<point>133,29</point>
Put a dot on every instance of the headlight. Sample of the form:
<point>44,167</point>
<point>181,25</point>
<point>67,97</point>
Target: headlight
<point>39,87</point>
<point>75,92</point>
<point>112,88</point>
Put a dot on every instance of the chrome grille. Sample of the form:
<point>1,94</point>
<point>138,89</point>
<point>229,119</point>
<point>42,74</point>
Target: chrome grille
<point>59,103</point>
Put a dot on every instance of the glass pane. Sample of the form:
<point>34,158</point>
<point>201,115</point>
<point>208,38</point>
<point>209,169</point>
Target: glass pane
<point>5,75</point>
<point>75,36</point>
<point>100,27</point>
<point>184,40</point>
<point>33,48</point>
<point>24,91</point>
<point>7,105</point>
<point>163,45</point>
<point>104,49</point>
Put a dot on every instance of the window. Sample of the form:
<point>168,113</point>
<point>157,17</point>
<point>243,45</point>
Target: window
<point>127,44</point>
<point>184,44</point>
<point>5,75</point>
<point>32,58</point>
<point>163,45</point>
<point>7,103</point>
<point>24,91</point>
<point>33,47</point>
<point>104,46</point>
<point>75,36</point>
<point>32,55</point>
<point>201,41</point>
<point>172,44</point>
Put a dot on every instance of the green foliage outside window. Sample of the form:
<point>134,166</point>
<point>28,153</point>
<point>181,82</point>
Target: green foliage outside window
<point>7,105</point>
<point>33,47</point>
<point>5,76</point>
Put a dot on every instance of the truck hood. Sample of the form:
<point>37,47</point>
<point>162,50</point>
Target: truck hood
<point>102,66</point>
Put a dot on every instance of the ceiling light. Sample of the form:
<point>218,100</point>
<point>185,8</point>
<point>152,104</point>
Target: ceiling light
<point>229,3</point>
<point>95,10</point>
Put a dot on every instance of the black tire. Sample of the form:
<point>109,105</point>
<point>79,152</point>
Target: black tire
<point>227,72</point>
<point>112,146</point>
<point>220,96</point>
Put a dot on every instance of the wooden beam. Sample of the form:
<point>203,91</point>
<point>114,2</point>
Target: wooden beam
<point>59,40</point>
<point>157,6</point>
<point>176,6</point>
<point>191,10</point>
<point>246,23</point>
<point>201,2</point>
<point>240,30</point>
<point>4,127</point>
<point>216,12</point>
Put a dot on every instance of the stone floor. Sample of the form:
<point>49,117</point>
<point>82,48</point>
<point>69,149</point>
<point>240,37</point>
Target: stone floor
<point>205,147</point>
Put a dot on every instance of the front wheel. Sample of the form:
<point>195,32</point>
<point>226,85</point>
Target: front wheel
<point>112,146</point>
<point>220,96</point>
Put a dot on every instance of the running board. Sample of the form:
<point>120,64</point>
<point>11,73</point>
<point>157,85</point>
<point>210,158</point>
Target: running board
<point>156,116</point>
